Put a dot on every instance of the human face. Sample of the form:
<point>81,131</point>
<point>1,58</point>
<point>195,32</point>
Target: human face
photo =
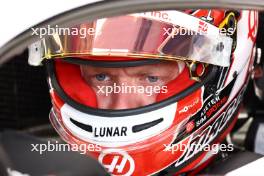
<point>147,77</point>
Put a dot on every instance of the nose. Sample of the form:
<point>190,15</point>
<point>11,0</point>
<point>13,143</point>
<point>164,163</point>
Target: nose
<point>129,100</point>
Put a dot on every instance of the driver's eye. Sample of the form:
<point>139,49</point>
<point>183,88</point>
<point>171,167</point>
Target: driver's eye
<point>101,77</point>
<point>152,79</point>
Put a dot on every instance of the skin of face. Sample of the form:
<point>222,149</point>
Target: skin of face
<point>156,75</point>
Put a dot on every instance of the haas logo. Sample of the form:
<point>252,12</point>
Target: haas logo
<point>117,162</point>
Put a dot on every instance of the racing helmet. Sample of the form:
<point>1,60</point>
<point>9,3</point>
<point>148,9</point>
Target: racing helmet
<point>209,52</point>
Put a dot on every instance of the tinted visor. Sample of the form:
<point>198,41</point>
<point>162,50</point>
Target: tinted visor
<point>177,36</point>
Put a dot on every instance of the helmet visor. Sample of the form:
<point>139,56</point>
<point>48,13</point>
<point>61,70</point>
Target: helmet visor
<point>166,35</point>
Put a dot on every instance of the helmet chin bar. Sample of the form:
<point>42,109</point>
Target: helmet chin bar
<point>205,79</point>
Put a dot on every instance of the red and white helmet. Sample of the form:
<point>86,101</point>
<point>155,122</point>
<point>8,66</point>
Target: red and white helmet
<point>214,49</point>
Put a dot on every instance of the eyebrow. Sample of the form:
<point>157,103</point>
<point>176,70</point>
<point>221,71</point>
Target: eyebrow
<point>142,70</point>
<point>127,70</point>
<point>97,70</point>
